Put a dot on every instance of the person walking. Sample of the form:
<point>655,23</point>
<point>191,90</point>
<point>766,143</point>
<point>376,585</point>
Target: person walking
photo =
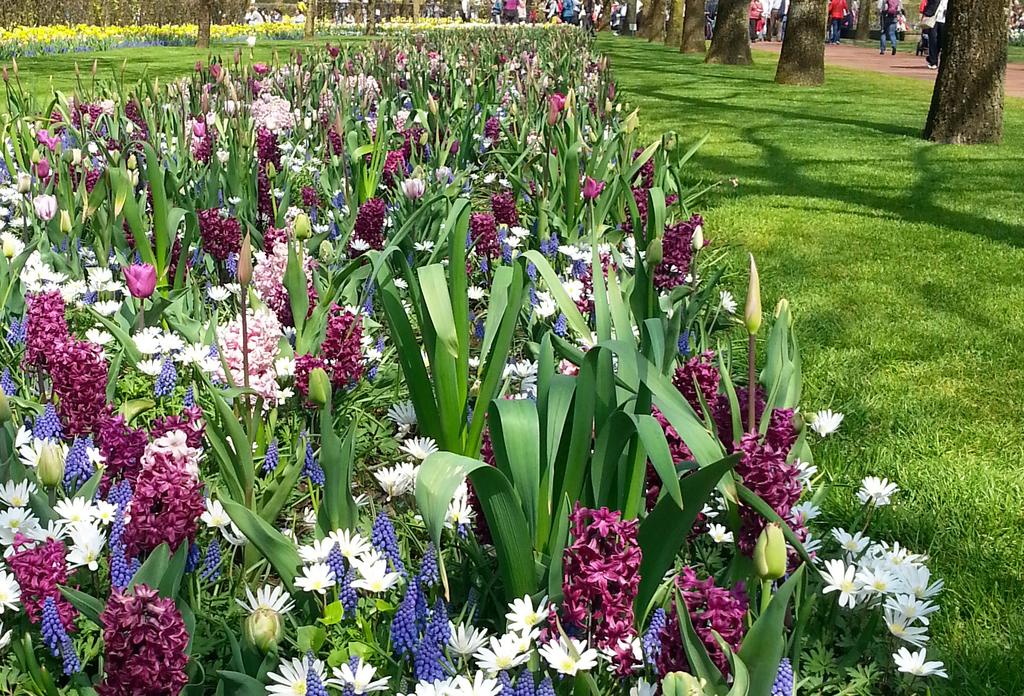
<point>783,13</point>
<point>837,11</point>
<point>934,20</point>
<point>755,15</point>
<point>889,11</point>
<point>510,12</point>
<point>771,13</point>
<point>569,12</point>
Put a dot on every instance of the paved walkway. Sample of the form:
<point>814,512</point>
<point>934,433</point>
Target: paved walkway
<point>903,64</point>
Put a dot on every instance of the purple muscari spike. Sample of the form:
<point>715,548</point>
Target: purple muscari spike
<point>311,467</point>
<point>506,683</point>
<point>347,594</point>
<point>561,325</point>
<point>403,626</point>
<point>193,558</point>
<point>478,329</point>
<point>271,458</point>
<point>533,296</point>
<point>190,397</point>
<point>16,334</point>
<point>472,599</point>
<point>422,607</point>
<point>484,264</point>
<point>506,253</point>
<point>524,684</point>
<point>167,379</point>
<point>47,426</point>
<point>579,268</point>
<point>353,664</point>
<point>380,344</point>
<point>430,574</point>
<point>231,264</point>
<point>531,271</point>
<point>371,374</point>
<point>651,641</point>
<point>684,342</point>
<point>211,562</point>
<point>314,685</point>
<point>384,539</point>
<point>336,562</point>
<point>783,685</point>
<point>56,638</point>
<point>546,688</point>
<point>90,298</point>
<point>7,383</point>
<point>427,660</point>
<point>77,467</point>
<point>120,494</point>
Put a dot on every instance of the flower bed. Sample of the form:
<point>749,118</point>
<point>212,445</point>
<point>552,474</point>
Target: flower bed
<point>408,368</point>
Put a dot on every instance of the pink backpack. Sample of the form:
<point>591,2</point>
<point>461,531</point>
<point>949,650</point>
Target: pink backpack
<point>892,7</point>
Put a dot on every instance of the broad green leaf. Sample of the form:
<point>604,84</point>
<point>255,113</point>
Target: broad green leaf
<point>765,642</point>
<point>85,603</point>
<point>515,436</point>
<point>274,546</point>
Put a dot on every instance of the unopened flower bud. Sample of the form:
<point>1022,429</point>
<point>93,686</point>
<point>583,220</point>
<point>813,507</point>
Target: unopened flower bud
<point>302,227</point>
<point>319,387</point>
<point>245,262</point>
<point>65,222</point>
<point>782,309</point>
<point>770,554</point>
<point>263,629</point>
<point>752,311</point>
<point>24,182</point>
<point>50,470</point>
<point>5,408</point>
<point>132,162</point>
<point>326,251</point>
<point>655,252</point>
<point>697,240</point>
<point>682,684</point>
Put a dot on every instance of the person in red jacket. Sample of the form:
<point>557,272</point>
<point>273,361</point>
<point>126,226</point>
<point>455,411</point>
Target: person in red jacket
<point>756,13</point>
<point>837,10</point>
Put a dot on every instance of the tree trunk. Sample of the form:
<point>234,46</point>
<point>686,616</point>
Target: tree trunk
<point>863,32</point>
<point>630,27</point>
<point>371,17</point>
<point>674,33</point>
<point>654,20</point>
<point>803,53</point>
<point>731,43</point>
<point>205,19</point>
<point>693,27</point>
<point>310,29</point>
<point>967,103</point>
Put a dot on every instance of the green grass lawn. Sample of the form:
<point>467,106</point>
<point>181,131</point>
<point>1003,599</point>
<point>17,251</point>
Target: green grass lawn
<point>905,265</point>
<point>904,261</point>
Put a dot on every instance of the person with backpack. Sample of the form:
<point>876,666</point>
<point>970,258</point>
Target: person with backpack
<point>569,12</point>
<point>933,20</point>
<point>889,11</point>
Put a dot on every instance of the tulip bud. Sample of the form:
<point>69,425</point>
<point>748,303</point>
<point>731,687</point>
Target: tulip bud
<point>782,309</point>
<point>263,629</point>
<point>632,121</point>
<point>132,162</point>
<point>655,252</point>
<point>682,684</point>
<point>5,408</point>
<point>319,387</point>
<point>65,222</point>
<point>50,470</point>
<point>669,141</point>
<point>24,182</point>
<point>271,170</point>
<point>302,227</point>
<point>752,311</point>
<point>770,553</point>
<point>11,246</point>
<point>697,240</point>
<point>76,156</point>
<point>326,251</point>
<point>245,262</point>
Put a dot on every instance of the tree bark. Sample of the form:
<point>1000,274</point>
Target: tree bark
<point>863,32</point>
<point>803,52</point>
<point>693,27</point>
<point>967,103</point>
<point>310,29</point>
<point>674,33</point>
<point>654,20</point>
<point>731,43</point>
<point>630,27</point>
<point>204,21</point>
<point>371,17</point>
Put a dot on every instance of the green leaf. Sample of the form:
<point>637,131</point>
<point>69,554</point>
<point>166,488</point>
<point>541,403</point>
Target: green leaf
<point>696,653</point>
<point>338,507</point>
<point>274,546</point>
<point>765,642</point>
<point>439,476</point>
<point>244,684</point>
<point>85,603</point>
<point>515,435</point>
<point>152,570</point>
<point>298,291</point>
<point>663,532</point>
<point>310,638</point>
<point>333,613</point>
<point>764,509</point>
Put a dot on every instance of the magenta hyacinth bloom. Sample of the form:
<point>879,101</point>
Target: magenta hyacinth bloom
<point>592,188</point>
<point>677,253</point>
<point>45,326</point>
<point>712,609</point>
<point>140,279</point>
<point>168,499</point>
<point>144,644</point>
<point>368,232</point>
<point>78,371</point>
<point>483,234</point>
<point>122,448</point>
<point>765,472</point>
<point>39,570</point>
<point>342,348</point>
<point>220,235</point>
<point>503,205</point>
<point>600,581</point>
